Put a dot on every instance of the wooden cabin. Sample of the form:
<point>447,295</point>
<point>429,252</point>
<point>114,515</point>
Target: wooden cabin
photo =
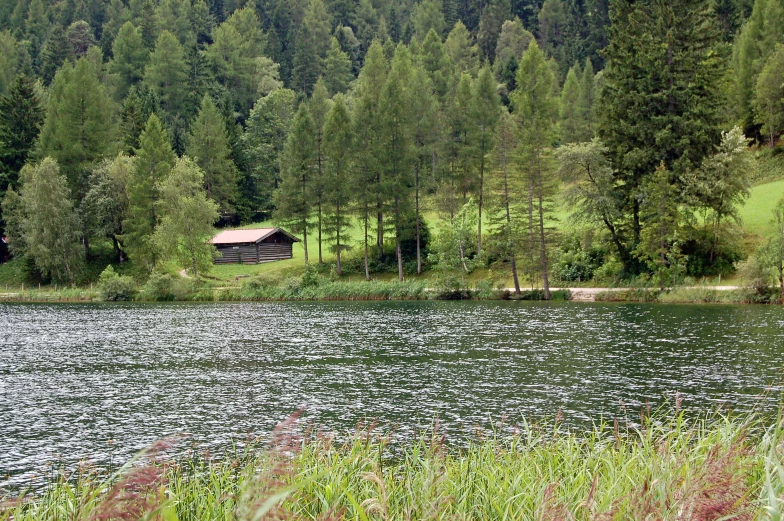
<point>253,245</point>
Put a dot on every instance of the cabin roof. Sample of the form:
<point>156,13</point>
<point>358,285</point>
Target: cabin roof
<point>248,235</point>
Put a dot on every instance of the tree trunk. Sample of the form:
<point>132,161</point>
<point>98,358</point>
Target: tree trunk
<point>305,241</point>
<point>397,240</point>
<point>321,260</point>
<point>338,269</point>
<point>418,240</point>
<point>481,201</point>
<point>530,268</point>
<point>367,268</point>
<point>510,242</point>
<point>545,279</point>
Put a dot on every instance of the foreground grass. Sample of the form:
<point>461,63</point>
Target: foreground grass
<point>708,469</point>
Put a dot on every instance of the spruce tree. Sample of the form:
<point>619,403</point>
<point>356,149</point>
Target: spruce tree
<point>586,104</point>
<point>661,94</point>
<point>54,54</point>
<point>154,160</point>
<point>293,198</point>
<point>21,117</point>
<point>338,189</point>
<point>9,60</point>
<point>209,147</point>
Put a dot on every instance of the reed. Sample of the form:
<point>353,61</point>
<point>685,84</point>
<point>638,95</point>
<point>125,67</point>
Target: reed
<point>663,468</point>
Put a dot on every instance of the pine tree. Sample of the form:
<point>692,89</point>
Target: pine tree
<point>130,58</point>
<point>367,132</point>
<point>209,147</point>
<point>176,17</point>
<point>492,20</point>
<point>149,25</point>
<point>427,15</point>
<point>337,69</point>
<point>140,103</point>
<point>485,114</point>
<point>166,73</point>
<point>396,150</point>
<point>570,120</point>
<point>536,106</point>
<point>338,145</point>
<point>463,54</point>
<point>460,152</point>
<point>186,218</point>
<point>9,60</point>
<point>79,127</point>
<point>21,117</point>
<point>292,200</point>
<point>154,160</point>
<point>50,227</point>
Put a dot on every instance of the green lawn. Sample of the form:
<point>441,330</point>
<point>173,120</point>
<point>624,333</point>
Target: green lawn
<point>757,213</point>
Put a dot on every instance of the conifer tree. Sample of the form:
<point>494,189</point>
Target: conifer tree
<point>396,150</point>
<point>586,104</point>
<point>435,62</point>
<point>463,54</point>
<point>569,121</point>
<point>209,147</point>
<point>313,40</point>
<point>768,99</point>
<point>337,69</point>
<point>338,145</point>
<point>8,60</point>
<point>536,107</point>
<point>263,140</point>
<point>166,73</point>
<point>21,117</point>
<point>55,52</point>
<point>79,127</point>
<point>425,111</point>
<point>493,18</point>
<point>368,134</point>
<point>660,95</point>
<point>298,164</point>
<point>425,16</point>
<point>319,105</point>
<point>130,58</point>
<point>140,103</point>
<point>154,160</point>
<point>485,114</point>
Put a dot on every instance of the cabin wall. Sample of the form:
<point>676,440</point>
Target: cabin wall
<point>238,254</point>
<point>270,251</point>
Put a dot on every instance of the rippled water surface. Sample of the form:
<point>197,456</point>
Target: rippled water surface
<point>73,377</point>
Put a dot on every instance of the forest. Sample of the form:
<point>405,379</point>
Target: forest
<point>571,138</point>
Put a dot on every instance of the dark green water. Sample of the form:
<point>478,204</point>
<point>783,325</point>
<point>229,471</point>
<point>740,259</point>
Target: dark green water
<point>73,377</point>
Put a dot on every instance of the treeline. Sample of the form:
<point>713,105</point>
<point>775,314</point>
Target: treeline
<point>325,114</point>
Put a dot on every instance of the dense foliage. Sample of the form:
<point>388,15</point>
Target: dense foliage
<point>330,114</point>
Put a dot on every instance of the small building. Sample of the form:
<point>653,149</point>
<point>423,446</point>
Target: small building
<point>253,245</point>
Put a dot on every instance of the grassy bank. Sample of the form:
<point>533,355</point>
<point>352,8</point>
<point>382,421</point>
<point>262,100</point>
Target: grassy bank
<point>669,468</point>
<point>691,295</point>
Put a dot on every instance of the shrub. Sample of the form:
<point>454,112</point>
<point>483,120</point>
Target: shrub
<point>113,287</point>
<point>165,287</point>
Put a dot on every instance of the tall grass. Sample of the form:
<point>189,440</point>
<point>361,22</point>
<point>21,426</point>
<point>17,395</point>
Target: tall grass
<point>665,469</point>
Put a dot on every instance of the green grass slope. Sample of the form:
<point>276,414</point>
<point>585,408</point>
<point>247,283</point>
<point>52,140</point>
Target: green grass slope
<point>757,213</point>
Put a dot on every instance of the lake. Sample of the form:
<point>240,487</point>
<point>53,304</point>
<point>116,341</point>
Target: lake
<point>99,381</point>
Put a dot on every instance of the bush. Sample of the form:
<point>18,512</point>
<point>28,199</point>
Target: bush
<point>113,287</point>
<point>163,287</point>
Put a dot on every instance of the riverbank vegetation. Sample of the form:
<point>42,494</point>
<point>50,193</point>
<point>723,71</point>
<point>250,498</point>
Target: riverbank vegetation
<point>555,143</point>
<point>662,468</point>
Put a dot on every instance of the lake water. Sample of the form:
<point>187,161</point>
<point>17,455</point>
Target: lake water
<point>99,382</point>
